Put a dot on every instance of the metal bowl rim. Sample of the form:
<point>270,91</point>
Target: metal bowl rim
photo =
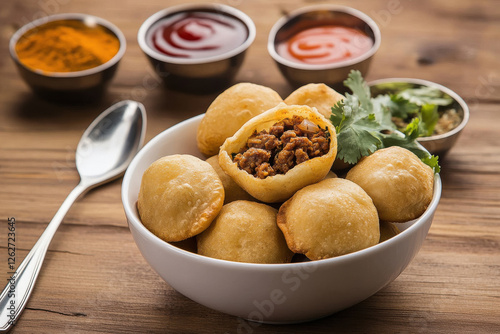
<point>333,8</point>
<point>150,21</point>
<point>442,88</point>
<point>69,17</point>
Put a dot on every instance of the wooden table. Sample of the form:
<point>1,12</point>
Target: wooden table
<point>94,279</point>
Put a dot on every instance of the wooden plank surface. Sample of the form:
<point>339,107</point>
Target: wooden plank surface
<point>94,279</point>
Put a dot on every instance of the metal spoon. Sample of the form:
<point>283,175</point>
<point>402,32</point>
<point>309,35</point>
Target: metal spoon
<point>103,153</point>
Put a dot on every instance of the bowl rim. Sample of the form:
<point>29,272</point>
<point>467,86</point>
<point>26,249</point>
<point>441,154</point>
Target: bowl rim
<point>322,7</point>
<point>134,221</point>
<point>442,88</point>
<point>150,21</point>
<point>69,17</point>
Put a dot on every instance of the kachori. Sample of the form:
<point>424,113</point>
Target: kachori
<point>245,231</point>
<point>179,197</point>
<point>279,152</point>
<point>331,175</point>
<point>399,183</point>
<point>229,111</point>
<point>319,96</point>
<point>329,218</point>
<point>232,191</point>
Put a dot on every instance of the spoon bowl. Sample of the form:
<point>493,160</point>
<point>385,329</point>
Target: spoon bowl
<point>109,140</point>
<point>103,153</point>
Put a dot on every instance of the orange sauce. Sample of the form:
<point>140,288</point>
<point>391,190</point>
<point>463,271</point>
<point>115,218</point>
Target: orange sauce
<point>325,44</point>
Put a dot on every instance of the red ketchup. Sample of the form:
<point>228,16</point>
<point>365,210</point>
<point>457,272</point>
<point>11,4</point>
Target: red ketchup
<point>325,44</point>
<point>197,35</point>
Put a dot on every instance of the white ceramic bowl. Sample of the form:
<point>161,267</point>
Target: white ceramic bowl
<point>272,293</point>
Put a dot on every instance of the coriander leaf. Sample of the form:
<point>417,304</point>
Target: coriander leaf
<point>378,107</point>
<point>430,117</point>
<point>412,130</point>
<point>364,125</point>
<point>346,108</point>
<point>402,108</point>
<point>383,108</point>
<point>432,161</point>
<point>356,130</point>
<point>359,88</point>
<point>357,138</point>
<point>426,95</point>
<point>337,115</point>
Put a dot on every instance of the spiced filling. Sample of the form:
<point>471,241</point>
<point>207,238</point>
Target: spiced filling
<point>286,144</point>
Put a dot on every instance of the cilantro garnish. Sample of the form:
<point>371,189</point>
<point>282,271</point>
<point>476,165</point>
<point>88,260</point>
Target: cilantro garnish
<point>363,124</point>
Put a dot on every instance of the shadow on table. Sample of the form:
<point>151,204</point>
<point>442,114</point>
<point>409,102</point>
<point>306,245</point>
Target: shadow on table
<point>30,109</point>
<point>365,317</point>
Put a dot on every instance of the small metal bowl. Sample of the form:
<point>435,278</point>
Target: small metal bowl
<point>79,86</point>
<point>333,74</point>
<point>197,75</point>
<point>437,144</point>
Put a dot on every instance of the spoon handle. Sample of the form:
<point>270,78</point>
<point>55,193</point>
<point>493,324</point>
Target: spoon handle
<point>20,284</point>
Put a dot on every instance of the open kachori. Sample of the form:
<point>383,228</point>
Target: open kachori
<point>279,152</point>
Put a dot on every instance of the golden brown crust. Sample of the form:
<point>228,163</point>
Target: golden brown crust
<point>399,183</point>
<point>245,231</point>
<point>319,96</point>
<point>280,187</point>
<point>331,175</point>
<point>232,190</point>
<point>330,218</point>
<point>229,111</point>
<point>179,197</point>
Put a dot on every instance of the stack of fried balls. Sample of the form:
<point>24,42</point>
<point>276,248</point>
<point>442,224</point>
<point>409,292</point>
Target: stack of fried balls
<point>265,191</point>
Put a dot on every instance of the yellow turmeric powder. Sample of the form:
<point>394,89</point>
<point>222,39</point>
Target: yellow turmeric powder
<point>66,46</point>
